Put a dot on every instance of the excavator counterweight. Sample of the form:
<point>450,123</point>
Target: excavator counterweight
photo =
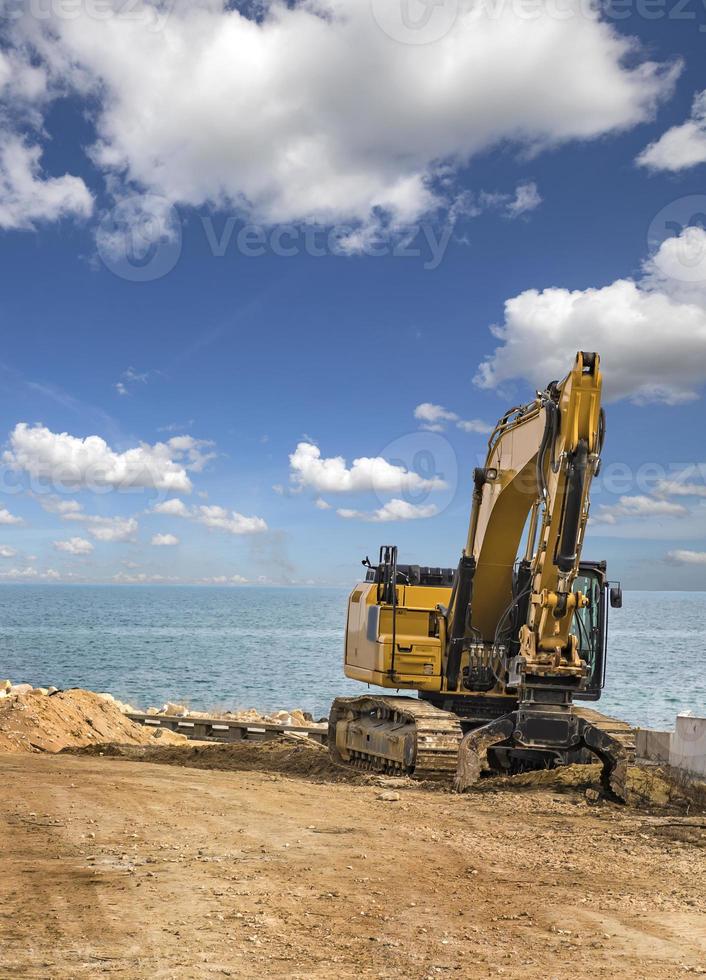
<point>499,648</point>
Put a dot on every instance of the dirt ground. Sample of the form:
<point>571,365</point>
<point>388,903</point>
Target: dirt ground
<point>114,866</point>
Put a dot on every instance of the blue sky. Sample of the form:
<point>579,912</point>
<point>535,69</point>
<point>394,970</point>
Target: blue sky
<point>573,161</point>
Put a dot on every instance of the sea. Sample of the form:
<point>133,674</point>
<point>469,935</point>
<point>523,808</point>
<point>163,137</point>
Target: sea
<point>270,648</point>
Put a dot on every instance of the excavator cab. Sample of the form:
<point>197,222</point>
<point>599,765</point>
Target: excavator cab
<point>590,624</point>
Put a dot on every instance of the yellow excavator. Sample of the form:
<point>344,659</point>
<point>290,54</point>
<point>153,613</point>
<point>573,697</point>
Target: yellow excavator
<point>498,649</point>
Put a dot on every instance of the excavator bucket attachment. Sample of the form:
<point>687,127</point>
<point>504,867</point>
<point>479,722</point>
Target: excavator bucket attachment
<point>473,753</point>
<point>614,757</point>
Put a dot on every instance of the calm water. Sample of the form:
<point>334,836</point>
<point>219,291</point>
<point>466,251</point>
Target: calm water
<point>282,648</point>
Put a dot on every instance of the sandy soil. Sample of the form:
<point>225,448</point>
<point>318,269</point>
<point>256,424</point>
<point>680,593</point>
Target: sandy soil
<point>133,869</point>
<point>35,722</point>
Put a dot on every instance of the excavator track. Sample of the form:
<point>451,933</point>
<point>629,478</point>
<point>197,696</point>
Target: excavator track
<point>396,735</point>
<point>409,737</point>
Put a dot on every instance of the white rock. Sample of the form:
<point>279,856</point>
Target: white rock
<point>175,710</point>
<point>21,688</point>
<point>5,685</point>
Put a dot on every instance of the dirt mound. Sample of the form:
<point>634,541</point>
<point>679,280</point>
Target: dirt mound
<point>289,756</point>
<point>649,786</point>
<point>35,722</point>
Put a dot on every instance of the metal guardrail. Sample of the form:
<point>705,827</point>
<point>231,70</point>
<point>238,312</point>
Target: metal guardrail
<point>227,730</point>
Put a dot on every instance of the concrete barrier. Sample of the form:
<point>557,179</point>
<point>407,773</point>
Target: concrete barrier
<point>684,748</point>
<point>652,746</point>
<point>687,749</point>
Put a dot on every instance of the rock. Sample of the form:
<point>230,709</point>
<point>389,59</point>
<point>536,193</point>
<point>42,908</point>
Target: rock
<point>592,795</point>
<point>5,686</point>
<point>40,690</point>
<point>152,711</point>
<point>166,734</point>
<point>21,689</point>
<point>389,796</point>
<point>174,710</point>
<point>52,690</point>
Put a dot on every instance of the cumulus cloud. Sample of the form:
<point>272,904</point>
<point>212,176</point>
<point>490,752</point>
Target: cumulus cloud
<point>164,540</point>
<point>212,516</point>
<point>195,453</point>
<point>80,462</point>
<point>74,546</point>
<point>322,504</point>
<point>218,518</point>
<point>7,518</point>
<point>28,198</point>
<point>106,528</point>
<point>6,551</point>
<point>434,418</point>
<point>332,475</point>
<point>681,146</point>
<point>173,507</point>
<point>56,505</point>
<point>650,332</point>
<point>224,580</point>
<point>311,111</point>
<point>638,506</point>
<point>683,556</point>
<point>393,510</point>
<point>29,572</point>
<point>143,578</point>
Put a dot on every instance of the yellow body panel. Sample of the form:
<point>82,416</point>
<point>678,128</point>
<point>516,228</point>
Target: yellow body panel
<point>418,653</point>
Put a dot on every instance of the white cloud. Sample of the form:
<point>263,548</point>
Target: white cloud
<point>74,546</point>
<point>683,556</point>
<point>638,506</point>
<point>434,418</point>
<point>173,507</point>
<point>21,574</point>
<point>91,462</point>
<point>218,518</point>
<point>651,333</point>
<point>129,378</point>
<point>224,580</point>
<point>322,504</point>
<point>7,518</point>
<point>353,121</point>
<point>527,198</point>
<point>164,540</point>
<point>681,484</point>
<point>309,469</point>
<point>55,505</point>
<point>112,528</point>
<point>681,146</point>
<point>195,453</point>
<point>142,578</point>
<point>26,197</point>
<point>212,516</point>
<point>7,552</point>
<point>393,510</point>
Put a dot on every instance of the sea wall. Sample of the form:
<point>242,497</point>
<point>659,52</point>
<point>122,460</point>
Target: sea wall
<point>683,749</point>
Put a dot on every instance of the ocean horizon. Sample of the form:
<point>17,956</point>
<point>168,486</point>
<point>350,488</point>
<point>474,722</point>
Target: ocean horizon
<point>269,647</point>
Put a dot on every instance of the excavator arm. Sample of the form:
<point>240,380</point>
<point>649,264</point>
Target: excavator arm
<point>535,484</point>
